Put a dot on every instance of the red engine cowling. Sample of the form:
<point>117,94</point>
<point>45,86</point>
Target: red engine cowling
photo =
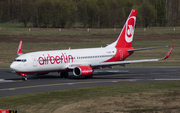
<point>82,71</point>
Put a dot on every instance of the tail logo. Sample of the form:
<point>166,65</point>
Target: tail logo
<point>130,29</point>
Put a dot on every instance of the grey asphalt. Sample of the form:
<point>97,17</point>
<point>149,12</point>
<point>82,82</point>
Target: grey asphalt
<point>12,84</point>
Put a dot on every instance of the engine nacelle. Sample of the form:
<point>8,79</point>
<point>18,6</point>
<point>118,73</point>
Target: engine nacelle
<point>82,71</point>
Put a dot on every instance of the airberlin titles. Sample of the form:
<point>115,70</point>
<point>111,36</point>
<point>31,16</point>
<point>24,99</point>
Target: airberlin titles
<point>48,59</point>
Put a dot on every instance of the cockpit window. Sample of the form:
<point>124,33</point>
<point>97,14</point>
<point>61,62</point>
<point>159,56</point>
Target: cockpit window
<point>20,60</point>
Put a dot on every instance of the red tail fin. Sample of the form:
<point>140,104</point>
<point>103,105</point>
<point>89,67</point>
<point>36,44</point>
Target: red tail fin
<point>126,36</point>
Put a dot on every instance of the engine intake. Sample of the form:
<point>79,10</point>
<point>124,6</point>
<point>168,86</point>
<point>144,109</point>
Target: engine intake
<point>82,71</point>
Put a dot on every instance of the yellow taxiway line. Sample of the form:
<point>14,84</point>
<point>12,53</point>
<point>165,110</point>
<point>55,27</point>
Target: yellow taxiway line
<point>14,88</point>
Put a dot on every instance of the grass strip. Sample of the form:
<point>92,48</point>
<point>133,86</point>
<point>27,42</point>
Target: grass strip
<point>141,97</point>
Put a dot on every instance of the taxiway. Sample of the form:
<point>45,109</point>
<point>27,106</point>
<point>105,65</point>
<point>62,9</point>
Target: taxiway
<point>12,84</point>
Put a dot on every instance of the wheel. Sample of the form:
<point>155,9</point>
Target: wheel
<point>24,78</point>
<point>86,77</point>
<point>91,76</point>
<point>64,74</point>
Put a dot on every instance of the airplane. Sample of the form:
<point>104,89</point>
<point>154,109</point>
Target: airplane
<point>82,62</point>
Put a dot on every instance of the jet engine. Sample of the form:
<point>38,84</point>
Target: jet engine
<point>83,71</point>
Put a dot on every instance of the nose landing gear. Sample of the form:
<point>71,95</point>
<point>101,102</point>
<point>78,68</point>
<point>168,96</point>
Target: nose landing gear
<point>24,76</point>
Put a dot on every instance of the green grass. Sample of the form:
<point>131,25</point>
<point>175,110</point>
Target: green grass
<point>127,95</point>
<point>17,29</point>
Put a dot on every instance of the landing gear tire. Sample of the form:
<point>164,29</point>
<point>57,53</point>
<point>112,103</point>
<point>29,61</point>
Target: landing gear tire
<point>64,75</point>
<point>89,76</point>
<point>24,78</point>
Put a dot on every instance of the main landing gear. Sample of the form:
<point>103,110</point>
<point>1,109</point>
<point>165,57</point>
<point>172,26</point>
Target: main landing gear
<point>91,76</point>
<point>64,74</point>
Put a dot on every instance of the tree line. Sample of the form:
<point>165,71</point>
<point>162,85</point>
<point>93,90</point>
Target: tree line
<point>89,13</point>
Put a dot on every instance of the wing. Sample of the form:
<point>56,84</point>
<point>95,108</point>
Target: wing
<point>131,61</point>
<point>73,66</point>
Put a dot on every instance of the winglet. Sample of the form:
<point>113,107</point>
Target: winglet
<point>19,52</point>
<point>168,54</point>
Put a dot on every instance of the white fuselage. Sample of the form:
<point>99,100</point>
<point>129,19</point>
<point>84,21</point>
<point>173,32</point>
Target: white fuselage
<point>58,60</point>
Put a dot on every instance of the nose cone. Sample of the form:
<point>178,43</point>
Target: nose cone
<point>14,66</point>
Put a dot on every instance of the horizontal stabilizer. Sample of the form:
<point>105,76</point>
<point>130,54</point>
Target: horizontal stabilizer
<point>145,48</point>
